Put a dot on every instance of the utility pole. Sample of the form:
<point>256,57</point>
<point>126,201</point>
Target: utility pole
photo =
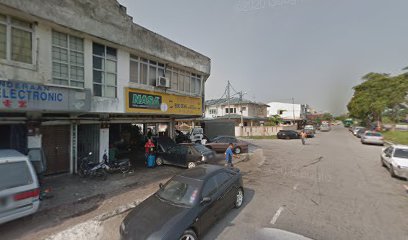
<point>240,101</point>
<point>228,99</point>
<point>293,108</point>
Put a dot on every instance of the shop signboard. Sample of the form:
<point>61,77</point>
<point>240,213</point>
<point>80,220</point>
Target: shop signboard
<point>24,96</point>
<point>143,101</point>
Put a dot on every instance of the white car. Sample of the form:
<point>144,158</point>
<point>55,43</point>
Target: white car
<point>395,158</point>
<point>371,137</point>
<point>19,187</point>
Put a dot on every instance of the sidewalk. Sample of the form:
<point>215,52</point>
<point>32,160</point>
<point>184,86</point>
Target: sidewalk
<point>80,195</point>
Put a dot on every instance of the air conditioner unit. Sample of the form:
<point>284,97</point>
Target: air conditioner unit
<point>163,82</point>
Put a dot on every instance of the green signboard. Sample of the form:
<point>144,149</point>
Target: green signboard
<point>143,100</point>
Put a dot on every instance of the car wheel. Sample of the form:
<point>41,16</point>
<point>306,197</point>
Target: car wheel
<point>189,235</point>
<point>191,165</point>
<point>237,150</point>
<point>239,198</point>
<point>159,161</point>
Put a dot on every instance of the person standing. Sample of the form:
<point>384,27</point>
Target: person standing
<point>229,154</point>
<point>302,137</point>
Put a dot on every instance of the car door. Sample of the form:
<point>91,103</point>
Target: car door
<point>207,215</point>
<point>171,156</point>
<point>227,192</point>
<point>219,143</point>
<point>182,155</point>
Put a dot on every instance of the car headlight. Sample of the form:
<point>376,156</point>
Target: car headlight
<point>203,158</point>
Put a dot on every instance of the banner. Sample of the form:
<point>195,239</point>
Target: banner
<point>142,101</point>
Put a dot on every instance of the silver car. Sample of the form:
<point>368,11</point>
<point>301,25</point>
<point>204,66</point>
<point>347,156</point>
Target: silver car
<point>371,137</point>
<point>19,188</point>
<point>356,129</point>
<point>395,158</point>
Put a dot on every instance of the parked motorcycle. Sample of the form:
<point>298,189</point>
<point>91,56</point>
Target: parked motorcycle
<point>88,168</point>
<point>122,165</point>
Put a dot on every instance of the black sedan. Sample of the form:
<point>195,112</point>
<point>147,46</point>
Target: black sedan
<point>184,155</point>
<point>186,206</point>
<point>288,134</point>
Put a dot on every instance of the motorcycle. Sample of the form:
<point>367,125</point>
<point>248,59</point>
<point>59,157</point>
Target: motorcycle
<point>89,168</point>
<point>122,165</point>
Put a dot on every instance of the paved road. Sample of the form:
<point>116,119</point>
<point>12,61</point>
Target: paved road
<point>332,188</point>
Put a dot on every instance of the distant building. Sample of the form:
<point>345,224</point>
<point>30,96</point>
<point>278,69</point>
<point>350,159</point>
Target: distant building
<point>287,111</point>
<point>253,113</point>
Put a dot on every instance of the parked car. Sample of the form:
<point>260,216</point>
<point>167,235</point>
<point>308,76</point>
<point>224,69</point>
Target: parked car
<point>325,128</point>
<point>356,129</point>
<point>19,187</point>
<point>183,155</point>
<point>360,132</point>
<point>287,134</point>
<point>220,144</point>
<point>310,128</point>
<point>181,137</point>
<point>371,137</point>
<point>186,206</point>
<point>309,133</point>
<point>395,158</point>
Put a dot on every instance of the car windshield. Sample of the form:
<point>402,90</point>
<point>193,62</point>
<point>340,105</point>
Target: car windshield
<point>179,192</point>
<point>401,153</point>
<point>14,174</point>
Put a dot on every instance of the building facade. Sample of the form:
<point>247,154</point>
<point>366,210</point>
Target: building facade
<point>242,110</point>
<point>287,111</point>
<point>78,76</point>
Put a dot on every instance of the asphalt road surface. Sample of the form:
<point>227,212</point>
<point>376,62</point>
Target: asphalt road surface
<point>331,188</point>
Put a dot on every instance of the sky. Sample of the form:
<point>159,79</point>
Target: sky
<point>312,50</point>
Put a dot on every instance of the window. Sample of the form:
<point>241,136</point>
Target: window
<point>134,69</point>
<point>104,71</point>
<point>213,111</point>
<point>231,110</point>
<point>145,71</point>
<point>18,34</point>
<point>210,187</point>
<point>67,60</point>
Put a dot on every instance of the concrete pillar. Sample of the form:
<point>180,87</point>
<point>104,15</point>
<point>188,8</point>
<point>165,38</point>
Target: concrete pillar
<point>172,129</point>
<point>103,142</point>
<point>73,163</point>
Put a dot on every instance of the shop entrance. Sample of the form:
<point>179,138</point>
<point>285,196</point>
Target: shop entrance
<point>56,145</point>
<point>13,136</point>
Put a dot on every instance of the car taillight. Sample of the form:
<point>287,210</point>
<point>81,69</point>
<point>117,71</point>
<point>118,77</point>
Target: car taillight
<point>28,194</point>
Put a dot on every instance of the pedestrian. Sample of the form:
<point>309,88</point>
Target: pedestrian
<point>302,137</point>
<point>229,155</point>
<point>149,147</point>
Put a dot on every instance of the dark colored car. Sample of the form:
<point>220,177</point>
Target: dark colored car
<point>183,155</point>
<point>186,206</point>
<point>181,137</point>
<point>220,144</point>
<point>288,134</point>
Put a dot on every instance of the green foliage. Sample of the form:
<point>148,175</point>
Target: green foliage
<point>274,120</point>
<point>377,93</point>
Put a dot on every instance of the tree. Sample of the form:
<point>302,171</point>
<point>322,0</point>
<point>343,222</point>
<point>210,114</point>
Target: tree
<point>274,120</point>
<point>377,93</point>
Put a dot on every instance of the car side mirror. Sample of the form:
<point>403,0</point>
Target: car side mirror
<point>161,186</point>
<point>205,200</point>
<point>388,155</point>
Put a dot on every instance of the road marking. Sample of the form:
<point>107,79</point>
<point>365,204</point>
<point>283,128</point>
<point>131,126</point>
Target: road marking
<point>296,186</point>
<point>277,214</point>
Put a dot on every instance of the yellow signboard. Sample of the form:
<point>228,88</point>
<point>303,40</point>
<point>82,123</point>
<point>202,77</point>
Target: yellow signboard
<point>143,101</point>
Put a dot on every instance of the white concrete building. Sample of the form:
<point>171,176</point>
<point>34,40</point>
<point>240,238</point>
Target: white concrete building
<point>252,112</point>
<point>287,111</point>
<point>78,75</point>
